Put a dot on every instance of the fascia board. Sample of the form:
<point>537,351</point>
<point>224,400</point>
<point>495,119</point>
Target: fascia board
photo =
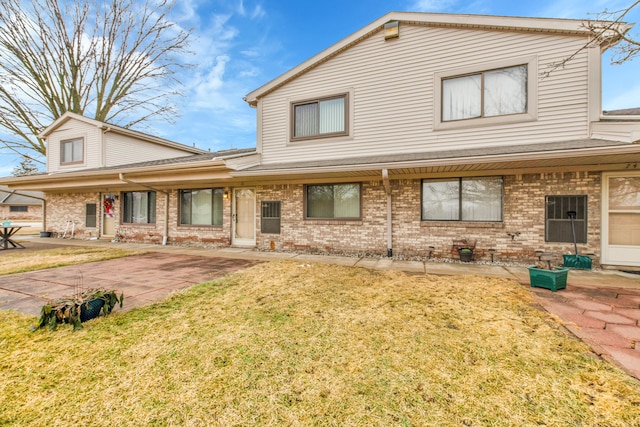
<point>540,155</point>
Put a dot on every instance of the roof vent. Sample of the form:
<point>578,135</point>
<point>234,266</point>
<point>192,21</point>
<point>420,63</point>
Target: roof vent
<point>391,30</point>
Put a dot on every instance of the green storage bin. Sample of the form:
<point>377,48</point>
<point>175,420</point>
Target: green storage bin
<point>549,279</point>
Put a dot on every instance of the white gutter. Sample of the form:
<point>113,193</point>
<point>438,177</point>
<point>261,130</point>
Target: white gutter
<point>628,148</point>
<point>387,190</point>
<point>165,237</point>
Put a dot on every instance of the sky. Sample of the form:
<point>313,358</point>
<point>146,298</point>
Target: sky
<point>239,45</point>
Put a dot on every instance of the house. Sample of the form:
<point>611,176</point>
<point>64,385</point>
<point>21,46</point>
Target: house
<point>20,206</point>
<point>413,133</point>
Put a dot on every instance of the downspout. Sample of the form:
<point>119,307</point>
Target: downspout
<point>387,190</point>
<point>165,237</point>
<point>44,207</point>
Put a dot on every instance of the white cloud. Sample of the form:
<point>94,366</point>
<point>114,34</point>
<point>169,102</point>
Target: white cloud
<point>208,84</point>
<point>258,12</point>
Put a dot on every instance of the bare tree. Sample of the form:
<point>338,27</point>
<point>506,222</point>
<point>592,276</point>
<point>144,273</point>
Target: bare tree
<point>609,28</point>
<point>26,167</point>
<point>113,60</point>
<point>608,22</point>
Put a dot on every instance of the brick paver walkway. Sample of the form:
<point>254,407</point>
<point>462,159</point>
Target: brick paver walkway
<point>142,278</point>
<point>605,318</point>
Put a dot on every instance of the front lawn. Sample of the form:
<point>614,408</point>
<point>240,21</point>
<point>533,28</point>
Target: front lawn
<point>290,344</point>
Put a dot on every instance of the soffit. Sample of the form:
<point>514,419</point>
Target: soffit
<point>588,154</point>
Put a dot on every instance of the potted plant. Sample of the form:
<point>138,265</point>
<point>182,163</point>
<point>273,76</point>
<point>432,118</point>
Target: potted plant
<point>78,308</point>
<point>466,254</point>
<point>552,278</point>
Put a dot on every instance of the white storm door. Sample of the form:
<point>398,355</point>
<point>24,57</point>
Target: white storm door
<point>244,217</point>
<point>621,218</point>
<point>108,215</point>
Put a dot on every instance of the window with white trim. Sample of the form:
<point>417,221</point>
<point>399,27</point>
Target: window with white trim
<point>462,199</point>
<point>72,151</point>
<point>319,118</point>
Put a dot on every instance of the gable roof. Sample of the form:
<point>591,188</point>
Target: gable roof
<point>117,129</point>
<point>482,22</point>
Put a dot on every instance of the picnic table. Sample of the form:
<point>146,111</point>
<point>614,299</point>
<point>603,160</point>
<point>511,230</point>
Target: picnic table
<point>6,231</point>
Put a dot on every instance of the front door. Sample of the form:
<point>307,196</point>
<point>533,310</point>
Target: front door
<point>621,218</point>
<point>108,215</point>
<point>244,217</point>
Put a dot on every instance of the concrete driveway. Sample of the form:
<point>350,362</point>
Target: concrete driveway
<point>142,278</point>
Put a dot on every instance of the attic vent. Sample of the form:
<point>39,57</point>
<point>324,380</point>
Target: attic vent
<point>270,221</point>
<point>391,30</point>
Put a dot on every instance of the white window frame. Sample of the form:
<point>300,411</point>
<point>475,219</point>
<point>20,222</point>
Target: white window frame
<point>532,94</point>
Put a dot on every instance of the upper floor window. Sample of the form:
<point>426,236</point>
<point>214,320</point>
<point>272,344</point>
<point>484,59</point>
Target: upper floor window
<point>501,92</point>
<point>319,118</point>
<point>72,151</point>
<point>201,207</point>
<point>139,207</point>
<point>333,201</point>
<point>462,199</point>
<point>485,94</point>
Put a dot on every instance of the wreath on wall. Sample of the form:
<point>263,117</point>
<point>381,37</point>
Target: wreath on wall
<point>108,206</point>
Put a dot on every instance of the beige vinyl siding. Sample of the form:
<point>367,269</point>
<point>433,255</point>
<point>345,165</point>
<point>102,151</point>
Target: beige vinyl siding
<point>625,131</point>
<point>122,149</point>
<point>393,89</point>
<point>71,130</point>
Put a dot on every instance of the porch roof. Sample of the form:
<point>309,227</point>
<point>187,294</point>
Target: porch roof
<point>582,154</point>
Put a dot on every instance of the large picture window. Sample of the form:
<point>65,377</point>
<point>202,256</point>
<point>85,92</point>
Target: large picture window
<point>201,207</point>
<point>72,151</point>
<point>462,199</point>
<point>320,117</point>
<point>335,201</point>
<point>139,207</point>
<point>485,94</point>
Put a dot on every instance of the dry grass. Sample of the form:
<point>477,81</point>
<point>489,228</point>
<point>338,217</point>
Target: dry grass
<point>19,262</point>
<point>284,344</point>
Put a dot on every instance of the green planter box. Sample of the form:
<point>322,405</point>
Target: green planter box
<point>549,279</point>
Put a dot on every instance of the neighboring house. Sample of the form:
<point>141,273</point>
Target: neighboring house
<point>19,205</point>
<point>414,132</point>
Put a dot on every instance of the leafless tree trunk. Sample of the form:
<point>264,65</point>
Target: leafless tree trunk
<point>113,60</point>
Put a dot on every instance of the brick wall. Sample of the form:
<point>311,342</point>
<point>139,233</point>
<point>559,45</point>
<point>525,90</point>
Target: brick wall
<point>33,213</point>
<point>364,236</point>
<point>63,207</point>
<point>524,219</point>
<point>516,238</point>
